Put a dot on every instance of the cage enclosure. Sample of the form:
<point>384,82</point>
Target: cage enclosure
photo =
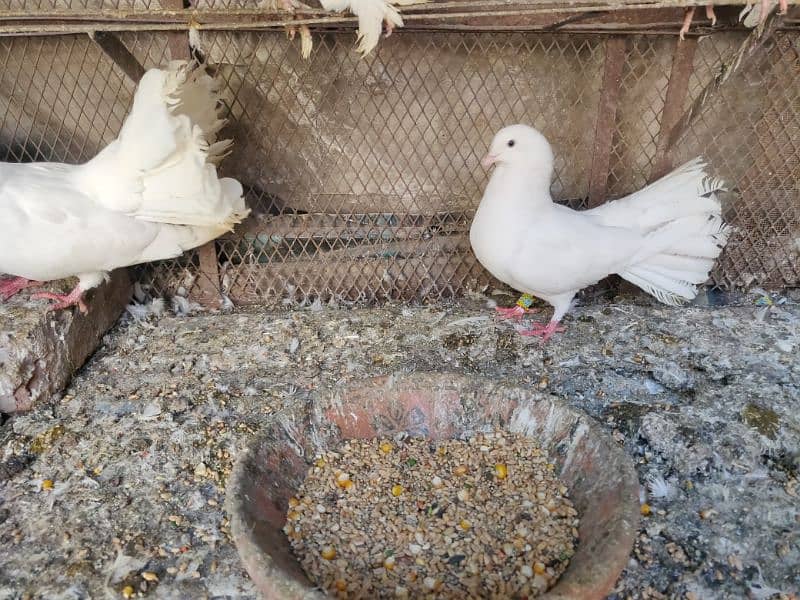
<point>363,174</point>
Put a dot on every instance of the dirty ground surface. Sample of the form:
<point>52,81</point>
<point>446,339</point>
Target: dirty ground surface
<point>120,480</point>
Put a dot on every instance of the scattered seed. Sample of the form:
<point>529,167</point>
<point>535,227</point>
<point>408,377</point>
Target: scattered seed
<point>459,526</point>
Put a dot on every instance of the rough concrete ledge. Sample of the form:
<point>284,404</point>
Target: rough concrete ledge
<point>39,350</point>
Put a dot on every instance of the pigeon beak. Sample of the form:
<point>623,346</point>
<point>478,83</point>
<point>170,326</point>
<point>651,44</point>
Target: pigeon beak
<point>489,160</point>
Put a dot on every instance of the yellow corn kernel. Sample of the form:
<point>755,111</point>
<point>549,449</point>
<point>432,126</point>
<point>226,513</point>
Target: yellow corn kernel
<point>293,515</point>
<point>346,485</point>
<point>460,470</point>
<point>389,563</point>
<point>342,480</point>
<point>538,568</point>
<point>293,501</point>
<point>47,484</point>
<point>328,553</point>
<point>127,591</point>
<point>501,471</point>
<point>320,462</point>
<point>386,447</point>
<point>397,489</point>
<point>341,585</point>
<point>464,524</point>
<point>645,510</point>
<point>149,576</point>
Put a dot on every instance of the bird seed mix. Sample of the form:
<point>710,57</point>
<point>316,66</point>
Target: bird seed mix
<point>483,518</point>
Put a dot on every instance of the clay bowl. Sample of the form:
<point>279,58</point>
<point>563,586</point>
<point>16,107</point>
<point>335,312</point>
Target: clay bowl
<point>602,482</point>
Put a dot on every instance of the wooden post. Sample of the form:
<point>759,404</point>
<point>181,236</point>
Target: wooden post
<point>119,53</point>
<point>682,65</point>
<point>606,120</point>
<point>207,289</point>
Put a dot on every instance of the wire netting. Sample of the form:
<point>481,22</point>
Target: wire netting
<point>363,175</point>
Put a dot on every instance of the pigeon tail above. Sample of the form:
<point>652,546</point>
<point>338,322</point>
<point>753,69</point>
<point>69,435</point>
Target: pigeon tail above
<point>162,166</point>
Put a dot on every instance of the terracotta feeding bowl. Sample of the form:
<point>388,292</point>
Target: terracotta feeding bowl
<point>600,476</point>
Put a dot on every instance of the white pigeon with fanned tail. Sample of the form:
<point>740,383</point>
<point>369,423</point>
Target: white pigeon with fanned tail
<point>150,194</point>
<point>663,238</point>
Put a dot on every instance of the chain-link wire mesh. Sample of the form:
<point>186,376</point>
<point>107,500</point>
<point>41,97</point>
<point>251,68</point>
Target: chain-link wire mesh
<point>363,175</point>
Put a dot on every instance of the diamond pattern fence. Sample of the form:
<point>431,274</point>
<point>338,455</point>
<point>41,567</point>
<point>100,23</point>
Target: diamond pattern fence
<point>363,175</point>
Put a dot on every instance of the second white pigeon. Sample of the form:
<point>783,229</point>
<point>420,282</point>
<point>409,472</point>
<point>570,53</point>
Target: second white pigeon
<point>151,194</point>
<point>663,238</point>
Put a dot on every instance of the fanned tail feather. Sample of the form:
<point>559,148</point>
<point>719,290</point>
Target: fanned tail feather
<point>680,216</point>
<point>162,167</point>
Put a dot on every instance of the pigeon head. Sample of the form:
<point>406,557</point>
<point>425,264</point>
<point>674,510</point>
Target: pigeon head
<point>520,145</point>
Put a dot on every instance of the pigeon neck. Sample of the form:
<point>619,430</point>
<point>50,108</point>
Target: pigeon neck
<point>533,179</point>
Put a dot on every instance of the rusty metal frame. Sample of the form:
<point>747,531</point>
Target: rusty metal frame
<point>606,120</point>
<point>681,70</point>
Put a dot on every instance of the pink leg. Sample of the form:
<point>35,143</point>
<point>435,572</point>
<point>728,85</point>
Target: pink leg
<point>543,331</point>
<point>687,21</point>
<point>514,312</point>
<point>710,14</point>
<point>765,6</point>
<point>783,6</point>
<point>389,27</point>
<point>11,287</point>
<point>74,298</point>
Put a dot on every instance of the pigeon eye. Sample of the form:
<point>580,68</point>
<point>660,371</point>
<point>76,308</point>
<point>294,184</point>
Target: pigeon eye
<point>510,143</point>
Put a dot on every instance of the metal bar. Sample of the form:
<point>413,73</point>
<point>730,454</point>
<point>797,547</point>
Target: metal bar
<point>606,120</point>
<point>678,87</point>
<point>445,9</point>
<point>119,53</point>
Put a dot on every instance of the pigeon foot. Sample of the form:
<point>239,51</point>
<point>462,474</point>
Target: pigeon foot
<point>11,287</point>
<point>74,298</point>
<point>514,312</point>
<point>543,331</point>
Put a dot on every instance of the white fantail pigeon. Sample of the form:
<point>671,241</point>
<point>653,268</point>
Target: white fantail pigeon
<point>150,194</point>
<point>663,238</point>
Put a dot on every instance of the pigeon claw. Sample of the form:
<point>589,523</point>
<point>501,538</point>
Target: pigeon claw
<point>543,331</point>
<point>514,312</point>
<point>687,22</point>
<point>74,298</point>
<point>11,287</point>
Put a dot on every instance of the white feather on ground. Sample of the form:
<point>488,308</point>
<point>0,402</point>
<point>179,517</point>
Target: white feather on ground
<point>663,238</point>
<point>150,194</point>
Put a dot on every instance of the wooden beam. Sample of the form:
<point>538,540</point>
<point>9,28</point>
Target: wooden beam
<point>119,53</point>
<point>606,120</point>
<point>678,87</point>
